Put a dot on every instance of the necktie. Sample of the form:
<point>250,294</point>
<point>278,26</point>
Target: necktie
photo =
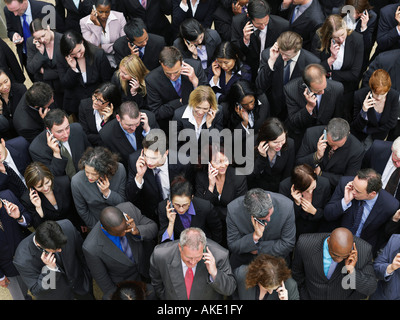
<point>143,3</point>
<point>70,168</point>
<point>286,72</point>
<point>295,12</point>
<point>357,217</point>
<point>15,180</point>
<point>330,153</point>
<point>158,181</point>
<point>332,268</point>
<point>177,86</point>
<point>188,281</point>
<point>25,30</point>
<point>315,112</point>
<point>132,140</point>
<point>126,248</point>
<point>393,182</point>
<point>141,54</point>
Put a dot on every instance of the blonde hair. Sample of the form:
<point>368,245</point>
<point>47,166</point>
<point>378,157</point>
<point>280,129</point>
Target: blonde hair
<point>203,93</point>
<point>136,69</point>
<point>332,23</point>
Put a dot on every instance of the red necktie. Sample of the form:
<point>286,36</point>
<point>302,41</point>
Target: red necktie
<point>188,281</point>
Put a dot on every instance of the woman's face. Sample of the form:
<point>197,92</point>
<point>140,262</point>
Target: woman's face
<point>226,64</point>
<point>200,110</point>
<point>98,101</point>
<point>123,74</point>
<point>270,290</point>
<point>103,12</point>
<point>44,186</point>
<point>248,103</point>
<point>311,188</point>
<point>5,84</point>
<point>181,203</point>
<point>78,52</point>
<point>91,174</point>
<point>277,144</point>
<point>379,94</point>
<point>339,36</point>
<point>220,162</point>
<point>42,36</point>
<point>199,40</point>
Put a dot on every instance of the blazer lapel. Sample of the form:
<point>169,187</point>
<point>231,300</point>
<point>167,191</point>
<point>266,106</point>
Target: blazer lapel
<point>176,275</point>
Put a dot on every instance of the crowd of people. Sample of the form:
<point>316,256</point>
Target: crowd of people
<point>125,162</point>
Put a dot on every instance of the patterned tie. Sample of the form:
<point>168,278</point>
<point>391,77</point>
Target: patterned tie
<point>141,54</point>
<point>70,168</point>
<point>143,3</point>
<point>357,217</point>
<point>25,30</point>
<point>177,86</point>
<point>188,281</point>
<point>286,72</point>
<point>295,12</point>
<point>126,248</point>
<point>331,153</point>
<point>393,182</point>
<point>15,179</point>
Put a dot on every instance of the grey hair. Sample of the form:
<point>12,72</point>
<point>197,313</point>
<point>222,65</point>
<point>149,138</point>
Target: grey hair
<point>396,147</point>
<point>338,129</point>
<point>192,238</point>
<point>257,202</point>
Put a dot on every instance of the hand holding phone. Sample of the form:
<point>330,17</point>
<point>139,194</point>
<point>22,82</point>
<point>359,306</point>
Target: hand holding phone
<point>129,221</point>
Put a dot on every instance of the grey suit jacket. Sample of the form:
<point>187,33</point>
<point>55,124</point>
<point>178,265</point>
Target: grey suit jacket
<point>279,234</point>
<point>107,263</point>
<point>88,199</point>
<point>167,278</point>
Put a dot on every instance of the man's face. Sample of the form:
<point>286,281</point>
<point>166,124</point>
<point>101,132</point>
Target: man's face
<point>174,72</point>
<point>318,87</point>
<point>360,190</point>
<point>48,104</point>
<point>153,158</point>
<point>288,54</point>
<point>335,144</point>
<point>61,132</point>
<point>337,252</point>
<point>191,256</point>
<point>396,161</point>
<point>120,230</point>
<point>142,40</point>
<point>18,9</point>
<point>260,23</point>
<point>128,124</point>
<point>3,150</point>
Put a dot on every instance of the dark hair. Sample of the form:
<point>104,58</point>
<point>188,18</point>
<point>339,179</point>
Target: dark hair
<point>190,29</point>
<point>258,9</point>
<point>270,130</point>
<point>39,94</point>
<point>102,3</point>
<point>101,159</point>
<point>302,177</point>
<point>37,25</point>
<point>130,290</point>
<point>35,173</point>
<point>359,5</point>
<point>374,179</point>
<point>110,93</point>
<point>227,50</point>
<point>155,140</point>
<point>134,28</point>
<point>181,187</point>
<point>239,90</point>
<point>49,235</point>
<point>71,39</point>
<point>111,217</point>
<point>169,56</point>
<point>54,117</point>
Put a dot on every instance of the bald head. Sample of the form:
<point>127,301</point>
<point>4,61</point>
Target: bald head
<point>111,217</point>
<point>340,244</point>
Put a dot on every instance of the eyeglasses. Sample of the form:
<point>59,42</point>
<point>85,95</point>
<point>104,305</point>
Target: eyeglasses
<point>183,206</point>
<point>96,98</point>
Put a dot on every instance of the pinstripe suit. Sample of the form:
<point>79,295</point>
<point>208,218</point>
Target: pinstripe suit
<point>308,271</point>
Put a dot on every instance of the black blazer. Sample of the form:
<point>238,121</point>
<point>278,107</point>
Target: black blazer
<point>276,26</point>
<point>73,14</point>
<point>115,139</point>
<point>10,64</point>
<point>97,72</point>
<point>378,155</point>
<point>387,37</point>
<point>140,100</point>
<point>271,81</point>
<point>377,129</point>
<point>206,218</point>
<point>151,53</point>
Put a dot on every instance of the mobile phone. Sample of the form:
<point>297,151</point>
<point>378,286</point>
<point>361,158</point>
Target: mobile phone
<point>261,222</point>
<point>333,41</point>
<point>211,166</point>
<point>239,105</point>
<point>126,218</point>
<point>170,202</point>
<point>308,89</point>
<point>187,42</point>
<point>49,132</point>
<point>370,96</point>
<point>365,12</point>
<point>325,137</point>
<point>205,249</point>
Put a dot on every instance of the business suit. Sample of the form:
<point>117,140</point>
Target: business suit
<point>388,286</point>
<point>74,14</point>
<point>244,293</point>
<point>114,138</point>
<point>222,16</point>
<point>306,222</point>
<point>307,23</point>
<point>10,64</point>
<point>108,264</point>
<point>153,16</point>
<point>278,238</point>
<point>152,50</point>
<point>271,81</point>
<point>372,231</point>
<point>346,160</point>
<point>97,72</point>
<point>387,36</point>
<point>74,277</point>
<point>308,271</point>
<point>18,149</point>
<point>211,42</point>
<point>206,218</point>
<point>276,26</point>
<point>378,129</point>
<point>378,155</point>
<point>299,119</point>
<point>89,200</point>
<point>40,151</point>
<point>167,278</point>
<point>146,198</point>
<point>161,95</point>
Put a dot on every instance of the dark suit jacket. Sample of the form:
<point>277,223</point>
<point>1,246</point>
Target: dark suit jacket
<point>387,36</point>
<point>97,72</point>
<point>73,14</point>
<point>40,151</point>
<point>378,155</point>
<point>372,231</point>
<point>115,139</point>
<point>223,19</point>
<point>18,148</point>
<point>368,35</point>
<point>12,235</point>
<point>74,277</point>
<point>162,97</point>
<point>17,92</point>
<point>153,16</point>
<point>346,161</point>
<point>271,81</point>
<point>308,271</point>
<point>377,129</point>
<point>307,23</point>
<point>151,53</point>
<point>108,264</point>
<point>276,26</point>
<point>10,64</point>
